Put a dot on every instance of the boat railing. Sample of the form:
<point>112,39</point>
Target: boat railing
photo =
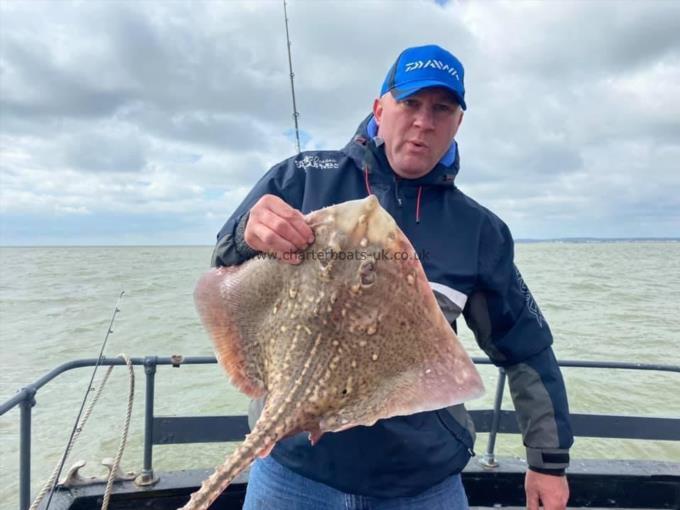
<point>164,430</point>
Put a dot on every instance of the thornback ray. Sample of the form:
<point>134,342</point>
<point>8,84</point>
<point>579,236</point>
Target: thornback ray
<point>351,335</point>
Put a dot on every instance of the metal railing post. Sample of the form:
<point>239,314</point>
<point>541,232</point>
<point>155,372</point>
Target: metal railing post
<point>25,447</point>
<point>489,459</point>
<point>147,477</point>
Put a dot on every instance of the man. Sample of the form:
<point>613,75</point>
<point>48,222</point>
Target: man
<point>405,154</point>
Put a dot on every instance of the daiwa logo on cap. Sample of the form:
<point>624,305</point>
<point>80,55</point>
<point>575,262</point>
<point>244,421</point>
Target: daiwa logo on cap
<point>437,64</point>
<point>424,67</point>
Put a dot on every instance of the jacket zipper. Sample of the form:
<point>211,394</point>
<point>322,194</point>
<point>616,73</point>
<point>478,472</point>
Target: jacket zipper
<point>396,190</point>
<point>454,433</point>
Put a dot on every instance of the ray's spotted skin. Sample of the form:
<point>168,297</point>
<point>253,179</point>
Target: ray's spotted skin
<point>334,342</point>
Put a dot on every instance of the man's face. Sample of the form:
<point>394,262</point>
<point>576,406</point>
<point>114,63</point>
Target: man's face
<point>417,130</point>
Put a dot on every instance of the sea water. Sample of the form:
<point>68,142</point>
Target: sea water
<point>617,301</point>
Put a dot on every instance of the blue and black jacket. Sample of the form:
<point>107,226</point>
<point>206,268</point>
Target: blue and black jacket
<point>467,253</point>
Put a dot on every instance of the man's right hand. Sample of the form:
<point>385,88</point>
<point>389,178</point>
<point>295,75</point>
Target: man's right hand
<point>275,227</point>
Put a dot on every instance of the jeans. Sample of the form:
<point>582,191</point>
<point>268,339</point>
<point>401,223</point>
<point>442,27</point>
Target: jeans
<point>272,486</point>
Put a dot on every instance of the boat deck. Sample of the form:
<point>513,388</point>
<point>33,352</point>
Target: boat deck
<point>616,484</point>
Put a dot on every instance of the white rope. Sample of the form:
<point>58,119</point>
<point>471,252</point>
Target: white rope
<point>50,483</point>
<point>121,447</point>
<point>124,433</point>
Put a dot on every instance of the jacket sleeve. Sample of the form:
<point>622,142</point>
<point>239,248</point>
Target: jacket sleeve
<point>284,180</point>
<point>511,329</point>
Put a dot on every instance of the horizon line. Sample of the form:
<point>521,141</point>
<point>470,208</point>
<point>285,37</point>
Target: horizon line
<point>574,239</point>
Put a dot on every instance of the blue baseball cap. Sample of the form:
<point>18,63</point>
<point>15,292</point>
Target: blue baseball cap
<point>422,67</point>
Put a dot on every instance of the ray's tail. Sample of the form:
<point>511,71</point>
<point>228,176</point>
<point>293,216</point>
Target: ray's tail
<point>257,444</point>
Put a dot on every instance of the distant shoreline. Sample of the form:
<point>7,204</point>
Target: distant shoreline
<point>586,240</point>
<point>572,240</point>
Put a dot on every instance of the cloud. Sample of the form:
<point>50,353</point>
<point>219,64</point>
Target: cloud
<point>104,152</point>
<point>158,113</point>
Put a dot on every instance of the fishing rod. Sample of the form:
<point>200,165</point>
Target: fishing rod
<point>116,310</point>
<point>292,75</point>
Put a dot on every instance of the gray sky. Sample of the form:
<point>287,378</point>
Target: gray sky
<point>147,122</point>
